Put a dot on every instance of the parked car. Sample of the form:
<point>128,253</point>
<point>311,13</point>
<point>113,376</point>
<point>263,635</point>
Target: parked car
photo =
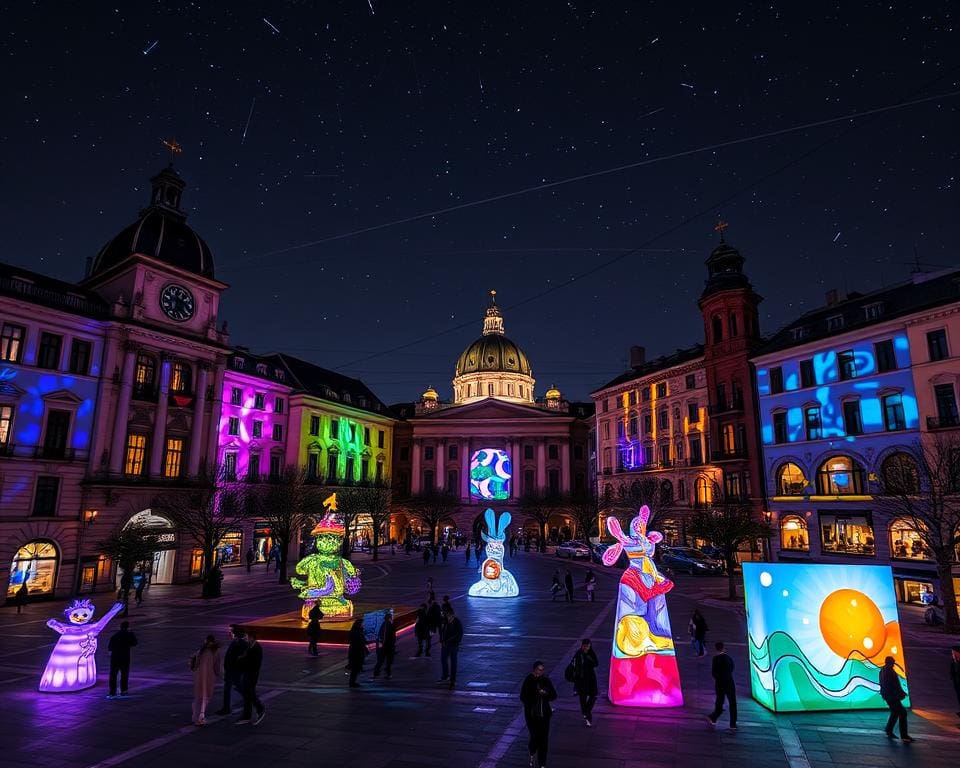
<point>600,547</point>
<point>573,550</point>
<point>690,560</point>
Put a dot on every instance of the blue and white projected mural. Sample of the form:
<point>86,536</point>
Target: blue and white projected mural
<point>490,474</point>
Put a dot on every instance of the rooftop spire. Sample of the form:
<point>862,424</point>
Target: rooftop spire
<point>493,321</point>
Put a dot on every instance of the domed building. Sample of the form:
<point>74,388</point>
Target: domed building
<point>494,443</point>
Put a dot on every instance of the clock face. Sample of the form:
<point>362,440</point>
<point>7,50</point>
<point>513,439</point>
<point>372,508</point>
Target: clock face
<point>177,302</point>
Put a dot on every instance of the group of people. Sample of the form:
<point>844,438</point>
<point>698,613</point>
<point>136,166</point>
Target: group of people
<point>567,586</point>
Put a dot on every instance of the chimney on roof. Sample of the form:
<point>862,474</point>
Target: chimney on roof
<point>638,356</point>
<point>833,297</point>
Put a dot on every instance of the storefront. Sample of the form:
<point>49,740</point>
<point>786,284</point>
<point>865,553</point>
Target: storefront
<point>161,565</point>
<point>93,571</point>
<point>230,549</point>
<point>35,564</point>
<point>262,541</point>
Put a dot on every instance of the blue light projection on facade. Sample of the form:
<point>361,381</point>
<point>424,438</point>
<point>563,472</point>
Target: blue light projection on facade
<point>490,474</point>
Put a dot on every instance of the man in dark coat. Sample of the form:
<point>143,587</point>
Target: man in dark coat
<point>386,646</point>
<point>536,693</point>
<point>356,651</point>
<point>700,629</point>
<point>585,665</point>
<point>22,597</point>
<point>434,614</point>
<point>421,631</point>
<point>893,693</point>
<point>568,583</point>
<point>722,671</point>
<point>119,646</point>
<point>233,661</point>
<point>451,635</point>
<point>252,661</point>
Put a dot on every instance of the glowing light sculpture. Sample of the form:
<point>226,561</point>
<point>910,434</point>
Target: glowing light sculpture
<point>490,474</point>
<point>495,580</point>
<point>818,635</point>
<point>643,664</point>
<point>328,575</point>
<point>72,665</point>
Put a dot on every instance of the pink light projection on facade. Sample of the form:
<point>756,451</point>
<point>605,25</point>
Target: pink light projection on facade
<point>643,664</point>
<point>73,663</point>
<point>247,426</point>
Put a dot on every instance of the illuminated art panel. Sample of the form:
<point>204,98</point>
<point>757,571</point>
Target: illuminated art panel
<point>490,474</point>
<point>818,635</point>
<point>495,580</point>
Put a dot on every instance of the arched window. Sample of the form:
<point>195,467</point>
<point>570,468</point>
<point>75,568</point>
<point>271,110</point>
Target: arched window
<point>703,492</point>
<point>733,325</point>
<point>145,375</point>
<point>840,476</point>
<point>899,474</point>
<point>906,542</point>
<point>181,377</point>
<point>790,480</point>
<point>35,564</point>
<point>793,533</point>
<point>717,329</point>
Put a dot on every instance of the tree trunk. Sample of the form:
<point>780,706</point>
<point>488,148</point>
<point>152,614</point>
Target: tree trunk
<point>948,597</point>
<point>376,542</point>
<point>284,558</point>
<point>731,576</point>
<point>543,537</point>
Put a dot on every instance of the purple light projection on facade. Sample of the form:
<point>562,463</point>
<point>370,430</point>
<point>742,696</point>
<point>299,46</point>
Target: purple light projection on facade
<point>73,662</point>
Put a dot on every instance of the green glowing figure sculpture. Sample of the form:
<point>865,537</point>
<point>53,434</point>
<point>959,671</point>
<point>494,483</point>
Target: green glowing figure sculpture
<point>328,576</point>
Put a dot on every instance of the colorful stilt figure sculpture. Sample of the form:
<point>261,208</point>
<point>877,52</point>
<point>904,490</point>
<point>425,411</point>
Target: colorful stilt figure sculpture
<point>329,576</point>
<point>643,665</point>
<point>73,663</point>
<point>495,580</point>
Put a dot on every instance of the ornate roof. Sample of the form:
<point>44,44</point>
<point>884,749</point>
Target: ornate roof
<point>493,351</point>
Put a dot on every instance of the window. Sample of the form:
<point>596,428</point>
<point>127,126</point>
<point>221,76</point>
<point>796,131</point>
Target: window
<point>632,397</point>
<point>840,476</point>
<point>278,405</point>
<point>806,373</point>
<point>528,451</point>
<point>647,423</point>
<point>553,451</point>
<point>648,455</point>
<point>717,324</point>
<point>236,396</point>
<point>380,438</point>
<point>681,489</point>
<point>230,465</point>
<point>428,453</point>
<point>693,413</point>
<point>790,480</point>
<point>665,455</point>
<point>6,425</point>
<point>451,486</point>
<point>937,345</point>
<point>366,435</point>
<point>793,533</point>
<point>278,432</point>
<point>35,564</point>
<point>332,459</point>
<point>335,428</point>
<point>847,365</point>
<point>233,426</point>
<point>276,465</point>
<point>11,343</point>
<point>780,427</point>
<point>55,437</point>
<point>645,394</point>
<point>663,418</point>
<point>696,452</point>
<point>313,466</point>
<point>834,323</point>
<point>899,474</point>
<point>253,468</point>
<point>452,451</point>
<point>691,381</point>
<point>145,375</point>
<point>852,420</point>
<point>528,482</point>
<point>48,353</point>
<point>776,380</point>
<point>873,311</point>
<point>893,418</point>
<point>734,331</point>
<point>732,485</point>
<point>260,400</point>
<point>45,499</point>
<point>136,449</point>
<point>428,484</point>
<point>173,460</point>
<point>578,451</point>
<point>632,426</point>
<point>728,437</point>
<point>946,401</point>
<point>606,404</point>
<point>314,425</point>
<point>886,359</point>
<point>703,491</point>
<point>80,357</point>
<point>181,378</point>
<point>662,389</point>
<point>847,534</point>
<point>679,450</point>
<point>257,429</point>
<point>811,418</point>
<point>906,543</point>
<point>553,481</point>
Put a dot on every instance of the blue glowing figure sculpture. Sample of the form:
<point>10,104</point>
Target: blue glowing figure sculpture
<point>73,662</point>
<point>495,580</point>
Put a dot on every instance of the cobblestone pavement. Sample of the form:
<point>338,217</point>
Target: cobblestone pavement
<point>314,719</point>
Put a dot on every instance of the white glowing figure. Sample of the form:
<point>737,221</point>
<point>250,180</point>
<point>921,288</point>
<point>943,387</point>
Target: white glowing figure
<point>73,662</point>
<point>495,580</point>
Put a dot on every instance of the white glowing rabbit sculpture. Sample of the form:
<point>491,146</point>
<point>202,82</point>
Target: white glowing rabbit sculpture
<point>495,580</point>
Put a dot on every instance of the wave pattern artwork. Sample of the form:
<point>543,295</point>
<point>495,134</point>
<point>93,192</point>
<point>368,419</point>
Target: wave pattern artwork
<point>490,474</point>
<point>818,635</point>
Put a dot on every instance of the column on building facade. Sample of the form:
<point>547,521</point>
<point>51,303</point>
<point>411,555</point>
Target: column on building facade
<point>464,470</point>
<point>415,470</point>
<point>213,433</point>
<point>440,481</point>
<point>160,419</point>
<point>565,449</point>
<point>513,446</point>
<point>196,432</point>
<point>123,409</point>
<point>541,463</point>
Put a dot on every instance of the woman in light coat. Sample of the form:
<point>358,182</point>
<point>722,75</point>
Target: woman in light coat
<point>207,666</point>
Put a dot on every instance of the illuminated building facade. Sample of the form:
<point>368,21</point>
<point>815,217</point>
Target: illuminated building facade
<point>494,442</point>
<point>845,392</point>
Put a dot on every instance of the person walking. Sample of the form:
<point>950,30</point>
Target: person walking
<point>444,552</point>
<point>955,672</point>
<point>252,663</point>
<point>426,555</point>
<point>722,671</point>
<point>421,630</point>
<point>250,558</point>
<point>434,614</point>
<point>466,552</point>
<point>119,647</point>
<point>568,584</point>
<point>585,665</point>
<point>893,693</point>
<point>536,693</point>
<point>356,652</point>
<point>434,549</point>
<point>386,646</point>
<point>233,661</point>
<point>313,630</point>
<point>451,635</point>
<point>590,584</point>
<point>140,586</point>
<point>699,626</point>
<point>206,667</point>
<point>555,587</point>
<point>22,596</point>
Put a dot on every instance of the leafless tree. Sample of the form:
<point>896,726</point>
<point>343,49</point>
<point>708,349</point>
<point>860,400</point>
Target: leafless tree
<point>584,507</point>
<point>128,548</point>
<point>539,505</point>
<point>921,486</point>
<point>378,507</point>
<point>432,508</point>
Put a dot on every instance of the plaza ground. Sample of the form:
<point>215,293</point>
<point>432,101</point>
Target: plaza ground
<point>413,720</point>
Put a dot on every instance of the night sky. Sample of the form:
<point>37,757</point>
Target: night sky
<point>304,121</point>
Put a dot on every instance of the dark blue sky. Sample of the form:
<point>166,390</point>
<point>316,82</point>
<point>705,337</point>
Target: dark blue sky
<point>364,118</point>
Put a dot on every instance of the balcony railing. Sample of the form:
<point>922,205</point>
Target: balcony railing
<point>732,405</point>
<point>943,422</point>
<point>730,455</point>
<point>54,453</point>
